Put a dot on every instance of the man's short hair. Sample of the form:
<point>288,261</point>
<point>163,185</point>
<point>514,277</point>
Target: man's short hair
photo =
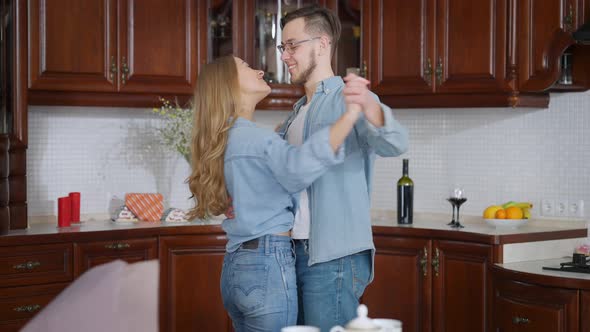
<point>318,20</point>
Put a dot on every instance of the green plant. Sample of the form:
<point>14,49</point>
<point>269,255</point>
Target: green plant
<point>177,130</point>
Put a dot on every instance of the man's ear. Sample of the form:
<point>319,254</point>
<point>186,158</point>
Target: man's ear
<point>324,44</point>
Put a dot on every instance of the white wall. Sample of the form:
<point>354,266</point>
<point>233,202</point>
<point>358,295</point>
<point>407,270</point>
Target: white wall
<point>496,154</point>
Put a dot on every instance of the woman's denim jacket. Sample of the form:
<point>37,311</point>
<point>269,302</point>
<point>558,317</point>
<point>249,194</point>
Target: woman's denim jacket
<point>264,176</point>
<point>339,200</point>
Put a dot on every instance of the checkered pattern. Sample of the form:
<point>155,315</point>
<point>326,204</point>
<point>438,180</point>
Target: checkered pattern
<point>147,207</point>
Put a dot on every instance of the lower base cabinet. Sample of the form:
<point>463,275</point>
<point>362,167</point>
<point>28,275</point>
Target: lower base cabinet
<point>431,284</point>
<point>540,303</point>
<point>190,296</point>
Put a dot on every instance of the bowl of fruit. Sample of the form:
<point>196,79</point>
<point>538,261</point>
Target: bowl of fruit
<point>508,215</point>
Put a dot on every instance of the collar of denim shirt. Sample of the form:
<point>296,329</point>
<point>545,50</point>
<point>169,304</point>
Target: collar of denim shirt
<point>326,86</point>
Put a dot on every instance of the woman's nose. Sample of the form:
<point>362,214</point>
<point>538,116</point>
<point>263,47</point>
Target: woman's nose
<point>260,74</point>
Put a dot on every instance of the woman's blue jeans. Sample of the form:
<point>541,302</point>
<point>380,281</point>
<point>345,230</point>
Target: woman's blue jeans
<point>329,292</point>
<point>258,284</point>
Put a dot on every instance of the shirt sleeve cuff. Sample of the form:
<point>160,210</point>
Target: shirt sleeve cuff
<point>388,122</point>
<point>323,150</point>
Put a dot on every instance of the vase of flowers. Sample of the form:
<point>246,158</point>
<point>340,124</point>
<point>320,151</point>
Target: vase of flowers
<point>177,130</point>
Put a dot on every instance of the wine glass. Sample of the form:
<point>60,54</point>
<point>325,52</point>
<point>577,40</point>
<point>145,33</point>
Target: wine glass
<point>457,198</point>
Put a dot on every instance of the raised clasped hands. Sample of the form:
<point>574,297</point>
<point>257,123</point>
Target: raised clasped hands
<point>356,92</point>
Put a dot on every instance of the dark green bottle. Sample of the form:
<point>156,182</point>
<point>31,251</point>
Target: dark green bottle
<point>405,196</point>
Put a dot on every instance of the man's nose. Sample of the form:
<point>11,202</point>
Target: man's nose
<point>260,73</point>
<point>285,55</point>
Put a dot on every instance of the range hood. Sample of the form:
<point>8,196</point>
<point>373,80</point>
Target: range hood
<point>582,36</point>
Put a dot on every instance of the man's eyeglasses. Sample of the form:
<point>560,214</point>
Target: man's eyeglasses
<point>290,47</point>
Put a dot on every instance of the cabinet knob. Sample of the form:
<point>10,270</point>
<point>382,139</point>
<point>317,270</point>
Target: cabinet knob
<point>424,262</point>
<point>520,320</point>
<point>436,262</point>
<point>568,20</point>
<point>428,72</point>
<point>27,266</point>
<point>439,71</point>
<point>28,308</point>
<point>113,70</point>
<point>117,246</point>
<point>124,72</point>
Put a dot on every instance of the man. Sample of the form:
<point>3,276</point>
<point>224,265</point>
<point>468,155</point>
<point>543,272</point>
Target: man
<point>333,238</point>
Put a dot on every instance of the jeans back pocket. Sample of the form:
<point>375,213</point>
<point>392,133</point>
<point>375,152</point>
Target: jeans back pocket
<point>249,285</point>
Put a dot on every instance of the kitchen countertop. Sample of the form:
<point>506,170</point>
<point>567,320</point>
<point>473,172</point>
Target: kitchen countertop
<point>532,272</point>
<point>384,222</point>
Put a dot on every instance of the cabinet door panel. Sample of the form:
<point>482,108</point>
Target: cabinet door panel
<point>523,307</point>
<point>401,288</point>
<point>88,255</point>
<point>397,41</point>
<point>190,295</point>
<point>541,39</point>
<point>72,51</point>
<point>157,48</point>
<point>471,46</point>
<point>461,287</point>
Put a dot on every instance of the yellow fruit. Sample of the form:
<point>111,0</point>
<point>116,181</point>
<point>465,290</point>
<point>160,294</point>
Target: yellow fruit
<point>490,211</point>
<point>500,214</point>
<point>526,213</point>
<point>514,212</point>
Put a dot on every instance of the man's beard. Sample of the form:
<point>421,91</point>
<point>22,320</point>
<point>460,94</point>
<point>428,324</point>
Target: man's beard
<point>304,76</point>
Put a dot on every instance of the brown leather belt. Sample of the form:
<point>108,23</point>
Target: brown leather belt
<point>252,244</point>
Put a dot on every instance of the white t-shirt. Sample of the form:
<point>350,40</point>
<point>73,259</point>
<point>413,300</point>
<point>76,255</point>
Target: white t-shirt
<point>295,137</point>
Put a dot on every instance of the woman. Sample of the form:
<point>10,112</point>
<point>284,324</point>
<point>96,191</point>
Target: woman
<point>261,173</point>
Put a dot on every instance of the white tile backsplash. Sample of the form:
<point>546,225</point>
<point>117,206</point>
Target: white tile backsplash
<point>496,154</point>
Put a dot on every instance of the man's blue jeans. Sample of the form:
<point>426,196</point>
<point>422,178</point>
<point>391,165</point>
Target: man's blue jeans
<point>329,292</point>
<point>258,285</point>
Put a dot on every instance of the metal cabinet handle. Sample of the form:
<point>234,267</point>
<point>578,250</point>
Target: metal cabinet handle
<point>568,20</point>
<point>439,71</point>
<point>520,320</point>
<point>27,266</point>
<point>364,71</point>
<point>428,72</point>
<point>117,246</point>
<point>124,72</point>
<point>424,262</point>
<point>113,70</point>
<point>436,262</point>
<point>27,308</point>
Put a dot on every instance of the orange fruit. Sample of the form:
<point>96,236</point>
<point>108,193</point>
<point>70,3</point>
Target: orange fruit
<point>501,214</point>
<point>514,212</point>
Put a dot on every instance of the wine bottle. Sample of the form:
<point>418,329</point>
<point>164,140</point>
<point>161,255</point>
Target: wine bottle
<point>405,196</point>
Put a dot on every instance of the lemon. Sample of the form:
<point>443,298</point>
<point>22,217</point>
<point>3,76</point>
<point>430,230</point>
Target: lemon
<point>490,211</point>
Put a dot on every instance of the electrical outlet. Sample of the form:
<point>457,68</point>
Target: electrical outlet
<point>561,208</point>
<point>547,207</point>
<point>576,209</point>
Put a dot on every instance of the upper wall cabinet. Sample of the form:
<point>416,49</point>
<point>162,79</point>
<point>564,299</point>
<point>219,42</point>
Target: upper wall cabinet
<point>453,51</point>
<point>544,31</point>
<point>119,48</point>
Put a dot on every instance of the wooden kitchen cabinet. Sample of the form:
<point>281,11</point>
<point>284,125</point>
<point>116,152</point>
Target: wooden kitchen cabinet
<point>524,301</point>
<point>19,304</point>
<point>544,32</point>
<point>520,306</point>
<point>430,284</point>
<point>190,295</point>
<point>31,276</point>
<point>112,52</point>
<point>90,254</point>
<point>454,51</point>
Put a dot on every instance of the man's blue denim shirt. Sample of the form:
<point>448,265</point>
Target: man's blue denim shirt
<point>339,200</point>
<point>264,174</point>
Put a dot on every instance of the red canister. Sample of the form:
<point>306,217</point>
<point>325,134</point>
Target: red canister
<point>75,211</point>
<point>64,208</point>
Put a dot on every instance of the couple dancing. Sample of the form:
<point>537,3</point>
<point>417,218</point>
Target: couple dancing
<point>300,247</point>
